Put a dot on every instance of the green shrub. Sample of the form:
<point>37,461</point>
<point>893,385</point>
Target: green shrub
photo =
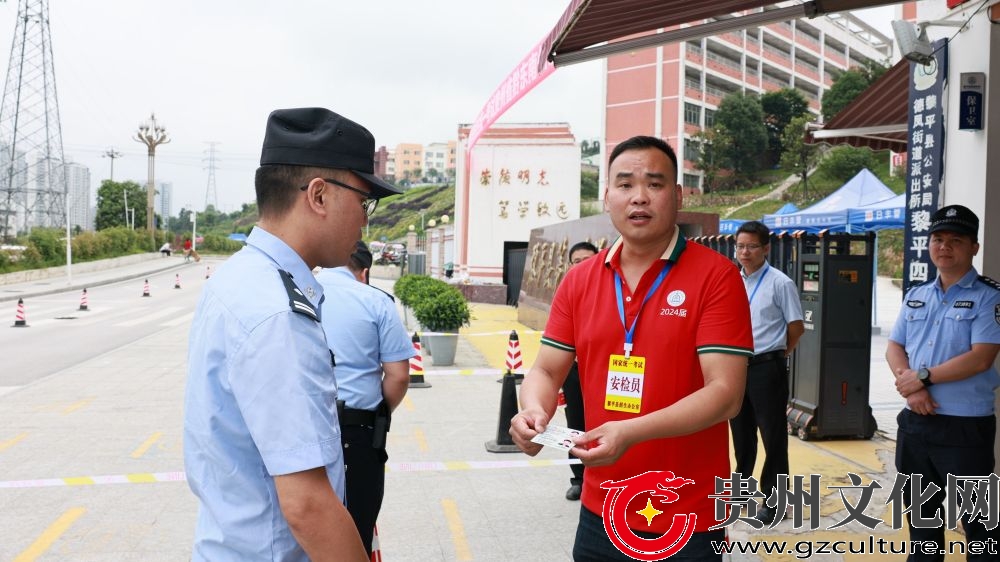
<point>411,290</point>
<point>446,311</point>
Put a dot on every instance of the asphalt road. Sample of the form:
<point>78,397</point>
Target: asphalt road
<point>59,335</point>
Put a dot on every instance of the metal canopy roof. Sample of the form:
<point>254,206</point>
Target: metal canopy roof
<point>586,24</point>
<point>877,118</point>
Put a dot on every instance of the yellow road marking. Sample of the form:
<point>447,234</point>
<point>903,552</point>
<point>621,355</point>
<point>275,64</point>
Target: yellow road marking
<point>140,478</point>
<point>79,481</point>
<point>418,434</point>
<point>4,445</point>
<point>407,403</point>
<point>77,405</point>
<point>45,540</point>
<point>146,445</point>
<point>462,551</point>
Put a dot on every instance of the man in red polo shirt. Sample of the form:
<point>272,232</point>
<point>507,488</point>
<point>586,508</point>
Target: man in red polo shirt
<point>661,330</point>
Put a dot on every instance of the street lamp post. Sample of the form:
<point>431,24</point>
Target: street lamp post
<point>152,135</point>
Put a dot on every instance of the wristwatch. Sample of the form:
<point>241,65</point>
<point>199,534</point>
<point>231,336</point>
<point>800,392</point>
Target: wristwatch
<point>924,375</point>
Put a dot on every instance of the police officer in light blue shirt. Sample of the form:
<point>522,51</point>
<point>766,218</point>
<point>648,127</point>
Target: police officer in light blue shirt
<point>373,354</point>
<point>262,447</point>
<point>941,351</point>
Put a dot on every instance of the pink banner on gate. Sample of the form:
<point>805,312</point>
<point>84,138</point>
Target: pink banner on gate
<point>525,76</point>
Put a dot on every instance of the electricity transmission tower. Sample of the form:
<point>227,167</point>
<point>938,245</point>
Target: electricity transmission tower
<point>211,197</point>
<point>33,189</point>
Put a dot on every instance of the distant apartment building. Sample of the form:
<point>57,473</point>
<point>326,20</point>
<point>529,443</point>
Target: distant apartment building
<point>381,161</point>
<point>409,161</point>
<point>78,184</point>
<point>163,202</point>
<point>673,91</point>
<point>436,159</point>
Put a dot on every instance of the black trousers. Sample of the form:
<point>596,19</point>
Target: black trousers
<point>365,470</point>
<point>764,405</point>
<point>574,414</point>
<point>936,446</point>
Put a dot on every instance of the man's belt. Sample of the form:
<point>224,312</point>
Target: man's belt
<point>351,416</point>
<point>378,419</point>
<point>769,356</point>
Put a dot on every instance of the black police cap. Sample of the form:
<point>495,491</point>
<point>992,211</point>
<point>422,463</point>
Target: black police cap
<point>313,136</point>
<point>955,218</point>
<point>362,254</point>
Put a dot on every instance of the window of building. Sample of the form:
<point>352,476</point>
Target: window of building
<point>709,117</point>
<point>692,114</point>
<point>691,180</point>
<point>692,151</point>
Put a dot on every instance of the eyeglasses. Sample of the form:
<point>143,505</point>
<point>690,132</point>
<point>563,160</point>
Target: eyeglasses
<point>751,247</point>
<point>369,203</point>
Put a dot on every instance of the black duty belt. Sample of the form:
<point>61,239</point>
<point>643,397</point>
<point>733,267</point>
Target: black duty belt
<point>769,356</point>
<point>352,417</point>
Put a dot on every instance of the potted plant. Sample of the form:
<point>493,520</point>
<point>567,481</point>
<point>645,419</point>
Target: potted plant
<point>444,312</point>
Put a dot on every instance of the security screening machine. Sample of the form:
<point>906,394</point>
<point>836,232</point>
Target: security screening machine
<point>829,382</point>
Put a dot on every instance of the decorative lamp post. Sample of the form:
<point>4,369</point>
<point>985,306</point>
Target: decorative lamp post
<point>411,228</point>
<point>152,135</point>
<point>444,219</point>
<point>431,223</point>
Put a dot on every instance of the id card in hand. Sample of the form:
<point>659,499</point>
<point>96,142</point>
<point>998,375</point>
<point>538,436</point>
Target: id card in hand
<point>557,436</point>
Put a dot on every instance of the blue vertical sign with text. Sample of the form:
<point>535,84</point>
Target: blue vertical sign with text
<point>972,87</point>
<point>924,163</point>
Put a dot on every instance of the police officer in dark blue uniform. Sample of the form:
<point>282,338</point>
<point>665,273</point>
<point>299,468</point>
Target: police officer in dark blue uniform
<point>941,351</point>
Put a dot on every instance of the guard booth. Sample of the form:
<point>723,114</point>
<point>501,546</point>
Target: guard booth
<point>829,382</point>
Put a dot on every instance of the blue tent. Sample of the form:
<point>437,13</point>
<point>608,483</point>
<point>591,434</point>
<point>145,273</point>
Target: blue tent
<point>890,213</point>
<point>831,212</point>
<point>787,209</point>
<point>729,226</point>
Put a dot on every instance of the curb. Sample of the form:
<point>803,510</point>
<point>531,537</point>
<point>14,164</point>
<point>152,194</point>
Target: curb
<point>81,286</point>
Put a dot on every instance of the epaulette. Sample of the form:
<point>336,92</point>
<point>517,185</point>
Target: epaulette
<point>392,298</point>
<point>296,300</point>
<point>990,282</point>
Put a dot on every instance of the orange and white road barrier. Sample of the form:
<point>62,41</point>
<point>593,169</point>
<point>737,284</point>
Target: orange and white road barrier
<point>177,281</point>
<point>417,366</point>
<point>84,304</point>
<point>145,288</point>
<point>20,320</point>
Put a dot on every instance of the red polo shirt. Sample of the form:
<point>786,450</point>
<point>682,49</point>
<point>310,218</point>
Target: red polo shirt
<point>700,307</point>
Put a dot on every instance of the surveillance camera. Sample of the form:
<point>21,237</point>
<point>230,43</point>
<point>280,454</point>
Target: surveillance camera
<point>913,43</point>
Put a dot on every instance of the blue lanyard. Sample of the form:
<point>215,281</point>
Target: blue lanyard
<point>759,279</point>
<point>630,332</point>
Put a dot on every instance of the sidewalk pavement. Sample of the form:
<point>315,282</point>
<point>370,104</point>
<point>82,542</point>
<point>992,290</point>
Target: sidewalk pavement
<point>447,498</point>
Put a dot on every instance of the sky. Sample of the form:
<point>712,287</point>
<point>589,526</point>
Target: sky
<point>213,70</point>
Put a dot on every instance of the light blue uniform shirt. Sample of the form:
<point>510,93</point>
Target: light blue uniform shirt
<point>774,303</point>
<point>363,329</point>
<point>934,326</point>
<point>260,402</point>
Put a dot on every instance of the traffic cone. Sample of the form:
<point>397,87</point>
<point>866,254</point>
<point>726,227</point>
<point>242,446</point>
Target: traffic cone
<point>84,305</point>
<point>177,281</point>
<point>208,271</point>
<point>376,548</point>
<point>19,319</point>
<point>508,409</point>
<point>513,362</point>
<point>145,288</point>
<point>417,366</point>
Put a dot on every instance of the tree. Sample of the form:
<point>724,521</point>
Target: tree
<point>741,118</point>
<point>780,108</point>
<point>111,204</point>
<point>847,86</point>
<point>844,162</point>
<point>799,157</point>
<point>710,142</point>
<point>588,186</point>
